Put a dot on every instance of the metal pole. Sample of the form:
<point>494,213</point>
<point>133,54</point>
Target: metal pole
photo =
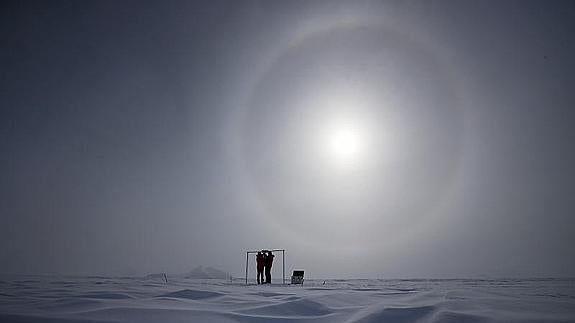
<point>284,266</point>
<point>247,259</point>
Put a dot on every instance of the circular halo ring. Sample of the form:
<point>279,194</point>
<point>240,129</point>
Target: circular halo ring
<point>237,121</point>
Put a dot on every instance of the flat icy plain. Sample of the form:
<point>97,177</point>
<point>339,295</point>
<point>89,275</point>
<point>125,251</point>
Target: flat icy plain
<point>104,299</point>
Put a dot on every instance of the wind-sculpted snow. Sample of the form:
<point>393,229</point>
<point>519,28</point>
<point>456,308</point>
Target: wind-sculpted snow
<point>104,299</point>
<point>191,294</point>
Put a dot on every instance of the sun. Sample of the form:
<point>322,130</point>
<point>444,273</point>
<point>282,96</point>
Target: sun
<point>344,143</point>
<point>343,123</point>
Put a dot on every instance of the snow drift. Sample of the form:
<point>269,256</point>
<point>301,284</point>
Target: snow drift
<point>100,299</point>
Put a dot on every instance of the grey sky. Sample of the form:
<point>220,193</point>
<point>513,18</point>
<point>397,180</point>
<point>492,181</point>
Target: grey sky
<point>145,137</point>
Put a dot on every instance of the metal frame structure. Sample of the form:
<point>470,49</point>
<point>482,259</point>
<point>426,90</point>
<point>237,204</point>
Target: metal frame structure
<point>283,251</point>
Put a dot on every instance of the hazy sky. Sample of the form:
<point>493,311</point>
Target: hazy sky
<point>369,139</point>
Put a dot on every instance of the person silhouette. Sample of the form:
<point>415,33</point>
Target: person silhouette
<point>260,264</point>
<point>268,267</point>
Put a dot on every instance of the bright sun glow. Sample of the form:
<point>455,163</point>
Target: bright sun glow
<point>344,126</point>
<point>344,143</point>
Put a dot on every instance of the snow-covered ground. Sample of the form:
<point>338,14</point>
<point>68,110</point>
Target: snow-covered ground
<point>102,299</point>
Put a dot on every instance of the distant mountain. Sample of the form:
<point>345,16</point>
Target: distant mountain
<point>202,272</point>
